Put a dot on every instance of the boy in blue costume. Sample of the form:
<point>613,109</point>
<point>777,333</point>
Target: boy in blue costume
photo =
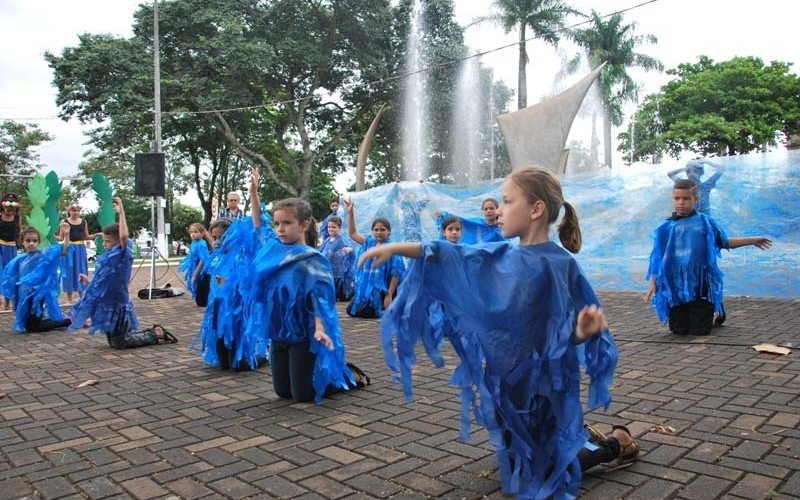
<point>106,301</point>
<point>375,285</point>
<point>323,226</point>
<point>342,259</point>
<point>685,280</point>
<point>522,319</point>
<point>31,282</point>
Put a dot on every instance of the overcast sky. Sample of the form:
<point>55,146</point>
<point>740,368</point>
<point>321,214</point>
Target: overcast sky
<point>685,29</point>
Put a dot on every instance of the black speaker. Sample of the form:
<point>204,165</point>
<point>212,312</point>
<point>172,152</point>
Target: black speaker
<point>149,174</point>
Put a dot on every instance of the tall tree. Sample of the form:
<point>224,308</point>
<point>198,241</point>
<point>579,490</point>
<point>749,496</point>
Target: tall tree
<point>726,108</point>
<point>18,155</point>
<point>611,41</point>
<point>544,18</point>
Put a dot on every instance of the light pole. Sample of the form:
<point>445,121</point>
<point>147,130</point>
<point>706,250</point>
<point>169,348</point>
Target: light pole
<point>160,226</point>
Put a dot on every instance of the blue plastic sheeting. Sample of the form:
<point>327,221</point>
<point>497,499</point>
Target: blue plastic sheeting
<point>619,209</point>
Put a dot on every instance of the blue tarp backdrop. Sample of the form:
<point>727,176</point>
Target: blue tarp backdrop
<point>758,194</point>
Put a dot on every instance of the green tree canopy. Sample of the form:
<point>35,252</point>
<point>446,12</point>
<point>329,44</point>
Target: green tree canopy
<point>18,155</point>
<point>726,108</point>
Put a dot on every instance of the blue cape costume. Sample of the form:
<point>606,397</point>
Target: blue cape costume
<point>198,252</point>
<point>229,312</point>
<point>293,284</point>
<point>473,230</point>
<point>106,300</point>
<point>510,313</point>
<point>684,262</point>
<point>371,283</point>
<point>30,280</point>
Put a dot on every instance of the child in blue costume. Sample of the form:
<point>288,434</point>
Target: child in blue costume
<point>294,306</point>
<point>522,319</point>
<point>694,171</point>
<point>452,229</point>
<point>75,261</point>
<point>685,280</point>
<point>106,301</point>
<point>10,227</point>
<point>195,265</point>
<point>31,281</point>
<point>323,226</point>
<point>477,230</point>
<point>342,259</point>
<point>375,286</point>
<point>225,342</point>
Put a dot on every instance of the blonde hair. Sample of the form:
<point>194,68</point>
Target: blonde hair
<point>539,184</point>
<point>197,225</point>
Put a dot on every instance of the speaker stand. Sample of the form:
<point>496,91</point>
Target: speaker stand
<point>153,248</point>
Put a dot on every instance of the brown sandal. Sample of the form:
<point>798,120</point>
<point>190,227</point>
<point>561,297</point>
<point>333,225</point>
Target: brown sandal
<point>628,448</point>
<point>594,433</point>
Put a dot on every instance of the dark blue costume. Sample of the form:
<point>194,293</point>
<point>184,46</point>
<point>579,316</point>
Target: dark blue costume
<point>106,300</point>
<point>684,262</point>
<point>372,285</point>
<point>474,230</point>
<point>31,282</point>
<point>510,313</point>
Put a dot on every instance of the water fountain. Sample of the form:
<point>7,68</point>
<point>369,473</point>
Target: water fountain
<point>467,140</point>
<point>415,101</point>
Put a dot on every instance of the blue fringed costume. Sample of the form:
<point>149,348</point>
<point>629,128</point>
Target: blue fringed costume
<point>31,282</point>
<point>510,313</point>
<point>198,252</point>
<point>293,284</point>
<point>222,336</point>
<point>372,285</point>
<point>106,300</point>
<point>684,263</point>
<point>342,265</point>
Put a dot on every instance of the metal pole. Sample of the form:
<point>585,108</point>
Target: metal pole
<point>161,233</point>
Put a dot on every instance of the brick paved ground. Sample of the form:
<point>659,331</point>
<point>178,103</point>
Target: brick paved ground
<point>160,424</point>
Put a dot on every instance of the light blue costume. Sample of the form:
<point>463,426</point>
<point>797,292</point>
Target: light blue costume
<point>473,230</point>
<point>198,252</point>
<point>373,284</point>
<point>510,313</point>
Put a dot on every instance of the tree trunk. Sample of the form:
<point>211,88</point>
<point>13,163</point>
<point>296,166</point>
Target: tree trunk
<point>363,149</point>
<point>522,81</point>
<point>607,137</point>
<point>594,158</point>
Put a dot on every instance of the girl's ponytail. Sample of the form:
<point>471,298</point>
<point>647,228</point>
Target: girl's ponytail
<point>569,232</point>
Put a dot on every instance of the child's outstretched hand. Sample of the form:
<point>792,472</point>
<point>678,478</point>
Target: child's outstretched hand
<point>380,254</point>
<point>348,205</point>
<point>762,242</point>
<point>254,178</point>
<point>83,279</point>
<point>591,321</point>
<point>118,204</point>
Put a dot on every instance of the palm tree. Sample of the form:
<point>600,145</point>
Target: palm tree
<point>545,18</point>
<point>614,42</point>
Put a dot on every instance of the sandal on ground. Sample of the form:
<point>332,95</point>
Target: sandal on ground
<point>594,433</point>
<point>362,380</point>
<point>628,448</point>
<point>168,337</point>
